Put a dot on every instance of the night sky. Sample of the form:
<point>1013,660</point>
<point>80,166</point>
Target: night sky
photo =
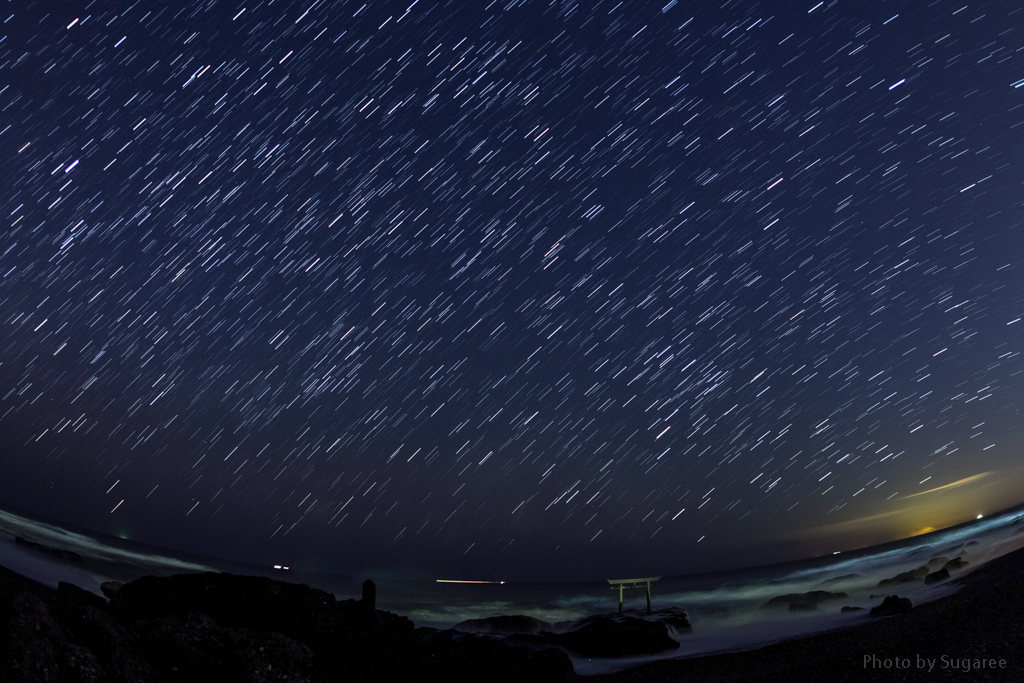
<point>512,290</point>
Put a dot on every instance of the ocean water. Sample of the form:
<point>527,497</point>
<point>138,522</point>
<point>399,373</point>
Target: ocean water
<point>725,609</point>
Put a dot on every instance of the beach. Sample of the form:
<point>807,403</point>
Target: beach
<point>975,634</point>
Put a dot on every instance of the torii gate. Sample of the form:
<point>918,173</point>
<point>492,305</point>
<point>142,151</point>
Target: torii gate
<point>634,583</point>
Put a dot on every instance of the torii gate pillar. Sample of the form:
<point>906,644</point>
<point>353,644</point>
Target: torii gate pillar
<point>634,583</point>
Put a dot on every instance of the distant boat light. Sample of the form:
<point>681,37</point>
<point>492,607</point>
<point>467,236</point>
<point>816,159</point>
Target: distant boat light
<point>979,516</point>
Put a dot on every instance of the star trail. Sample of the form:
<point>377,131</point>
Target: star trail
<point>515,289</point>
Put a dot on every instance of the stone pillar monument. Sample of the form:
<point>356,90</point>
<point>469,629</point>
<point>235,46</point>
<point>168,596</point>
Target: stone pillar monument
<point>370,594</point>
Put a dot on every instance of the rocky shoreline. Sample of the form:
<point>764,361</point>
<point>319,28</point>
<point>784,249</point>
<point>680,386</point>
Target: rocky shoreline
<point>229,628</point>
<point>225,627</point>
<point>975,634</point>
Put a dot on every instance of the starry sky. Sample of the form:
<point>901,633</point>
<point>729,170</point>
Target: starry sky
<point>518,289</point>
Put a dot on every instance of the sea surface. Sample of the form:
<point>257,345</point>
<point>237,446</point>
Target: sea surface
<point>726,609</point>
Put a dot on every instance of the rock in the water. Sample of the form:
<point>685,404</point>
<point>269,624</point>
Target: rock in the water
<point>936,577</point>
<point>605,636</point>
<point>503,625</point>
<point>893,604</point>
<point>69,555</point>
<point>802,602</point>
<point>849,608</point>
<point>614,635</point>
<point>842,579</point>
<point>674,617</point>
<point>25,543</point>
<point>956,563</point>
<point>906,577</point>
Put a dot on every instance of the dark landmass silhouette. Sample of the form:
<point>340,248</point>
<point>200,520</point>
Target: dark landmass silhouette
<point>231,628</point>
<point>227,627</point>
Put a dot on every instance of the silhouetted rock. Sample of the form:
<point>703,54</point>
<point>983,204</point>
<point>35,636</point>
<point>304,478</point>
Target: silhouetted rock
<point>674,617</point>
<point>62,635</point>
<point>227,628</point>
<point>938,561</point>
<point>955,563</point>
<point>802,602</point>
<point>906,577</point>
<point>503,625</point>
<point>608,636</point>
<point>25,543</point>
<point>56,552</point>
<point>849,608</point>
<point>257,603</point>
<point>893,604</point>
<point>842,579</point>
<point>67,555</point>
<point>633,632</point>
<point>35,646</point>
<point>936,577</point>
<point>196,647</point>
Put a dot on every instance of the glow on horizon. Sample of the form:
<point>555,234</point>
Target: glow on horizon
<point>955,484</point>
<point>460,581</point>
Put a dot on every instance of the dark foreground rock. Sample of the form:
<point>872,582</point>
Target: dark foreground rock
<point>616,635</point>
<point>606,636</point>
<point>223,627</point>
<point>503,625</point>
<point>893,604</point>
